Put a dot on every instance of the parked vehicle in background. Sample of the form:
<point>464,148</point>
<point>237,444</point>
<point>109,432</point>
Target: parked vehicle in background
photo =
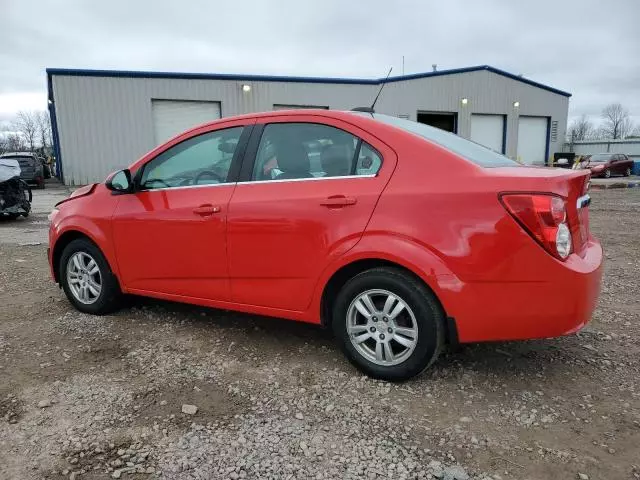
<point>15,194</point>
<point>399,236</point>
<point>31,167</point>
<point>608,164</point>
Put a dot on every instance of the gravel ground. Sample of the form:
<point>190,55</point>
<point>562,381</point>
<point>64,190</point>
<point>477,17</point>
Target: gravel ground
<point>85,397</point>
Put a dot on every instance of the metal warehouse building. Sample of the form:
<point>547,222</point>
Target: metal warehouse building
<point>104,120</point>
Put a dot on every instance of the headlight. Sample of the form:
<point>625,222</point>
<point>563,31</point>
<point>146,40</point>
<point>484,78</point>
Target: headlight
<point>563,240</point>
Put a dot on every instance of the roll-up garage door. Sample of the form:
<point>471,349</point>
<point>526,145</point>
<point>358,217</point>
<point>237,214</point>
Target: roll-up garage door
<point>171,117</point>
<point>532,140</point>
<point>488,130</point>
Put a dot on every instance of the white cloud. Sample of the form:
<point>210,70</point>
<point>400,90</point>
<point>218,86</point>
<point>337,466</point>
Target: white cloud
<point>586,47</point>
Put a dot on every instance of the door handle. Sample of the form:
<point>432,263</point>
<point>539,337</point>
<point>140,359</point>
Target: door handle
<point>338,201</point>
<point>204,210</point>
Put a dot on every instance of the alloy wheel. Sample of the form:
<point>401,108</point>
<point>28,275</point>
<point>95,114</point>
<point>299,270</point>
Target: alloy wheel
<point>84,278</point>
<point>382,327</point>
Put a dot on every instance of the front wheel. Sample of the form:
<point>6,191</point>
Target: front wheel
<point>607,173</point>
<point>627,172</point>
<point>87,279</point>
<point>389,324</point>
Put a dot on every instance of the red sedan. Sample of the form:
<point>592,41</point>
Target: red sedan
<point>399,236</point>
<point>607,164</point>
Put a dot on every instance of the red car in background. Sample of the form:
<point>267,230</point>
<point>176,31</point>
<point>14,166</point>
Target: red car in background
<point>399,236</point>
<point>607,164</point>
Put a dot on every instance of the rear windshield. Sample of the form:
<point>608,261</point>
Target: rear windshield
<point>474,152</point>
<point>22,160</point>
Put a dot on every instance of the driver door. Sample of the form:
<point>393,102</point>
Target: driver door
<point>170,235</point>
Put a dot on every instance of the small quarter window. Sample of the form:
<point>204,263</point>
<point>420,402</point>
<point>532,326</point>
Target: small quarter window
<point>369,161</point>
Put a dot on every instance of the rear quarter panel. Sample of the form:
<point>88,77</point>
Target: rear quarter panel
<point>440,217</point>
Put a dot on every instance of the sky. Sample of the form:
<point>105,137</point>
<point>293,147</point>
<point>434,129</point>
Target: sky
<point>590,48</point>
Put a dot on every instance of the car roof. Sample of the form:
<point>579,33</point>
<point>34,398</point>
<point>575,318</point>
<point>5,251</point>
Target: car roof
<point>339,114</point>
<point>296,112</point>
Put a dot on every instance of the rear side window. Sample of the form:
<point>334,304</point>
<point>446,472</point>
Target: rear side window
<point>474,152</point>
<point>292,151</point>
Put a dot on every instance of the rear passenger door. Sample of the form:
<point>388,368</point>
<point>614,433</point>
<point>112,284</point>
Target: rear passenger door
<point>307,191</point>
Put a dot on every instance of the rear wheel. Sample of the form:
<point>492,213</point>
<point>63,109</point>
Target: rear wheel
<point>389,324</point>
<point>87,279</point>
<point>607,173</point>
<point>627,172</point>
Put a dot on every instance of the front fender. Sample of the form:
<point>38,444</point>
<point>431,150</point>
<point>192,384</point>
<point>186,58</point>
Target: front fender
<point>97,230</point>
<point>403,251</point>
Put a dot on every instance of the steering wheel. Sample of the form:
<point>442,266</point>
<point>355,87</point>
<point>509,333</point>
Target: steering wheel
<point>209,173</point>
<point>151,181</point>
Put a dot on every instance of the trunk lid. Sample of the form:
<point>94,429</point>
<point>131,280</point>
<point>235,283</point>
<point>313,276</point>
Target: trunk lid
<point>572,185</point>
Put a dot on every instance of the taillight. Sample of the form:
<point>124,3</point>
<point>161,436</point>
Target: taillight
<point>544,217</point>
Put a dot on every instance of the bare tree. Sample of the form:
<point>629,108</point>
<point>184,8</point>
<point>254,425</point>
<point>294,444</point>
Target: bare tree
<point>581,129</point>
<point>617,123</point>
<point>635,133</point>
<point>26,123</point>
<point>43,122</point>
<point>14,142</point>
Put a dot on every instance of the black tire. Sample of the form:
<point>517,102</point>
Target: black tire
<point>428,313</point>
<point>110,295</point>
<point>627,172</point>
<point>607,173</point>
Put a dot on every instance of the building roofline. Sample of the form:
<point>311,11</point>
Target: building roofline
<point>605,141</point>
<point>294,79</point>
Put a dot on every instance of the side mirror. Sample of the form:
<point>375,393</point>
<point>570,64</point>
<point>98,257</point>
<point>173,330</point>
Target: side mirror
<point>120,181</point>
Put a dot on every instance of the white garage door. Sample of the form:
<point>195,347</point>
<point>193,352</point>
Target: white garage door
<point>532,140</point>
<point>171,117</point>
<point>488,130</point>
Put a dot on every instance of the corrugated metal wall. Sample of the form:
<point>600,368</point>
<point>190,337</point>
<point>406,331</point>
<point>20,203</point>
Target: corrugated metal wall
<point>487,93</point>
<point>629,147</point>
<point>106,123</point>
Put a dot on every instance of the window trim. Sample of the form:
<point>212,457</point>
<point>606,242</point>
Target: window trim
<point>253,145</point>
<point>234,167</point>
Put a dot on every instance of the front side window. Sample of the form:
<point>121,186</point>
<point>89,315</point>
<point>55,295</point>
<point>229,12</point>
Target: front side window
<point>289,151</point>
<point>202,160</point>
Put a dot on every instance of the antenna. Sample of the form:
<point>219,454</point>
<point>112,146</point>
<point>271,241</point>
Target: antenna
<point>381,87</point>
<point>370,109</point>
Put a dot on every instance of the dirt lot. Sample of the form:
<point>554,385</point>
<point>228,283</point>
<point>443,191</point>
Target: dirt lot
<point>86,397</point>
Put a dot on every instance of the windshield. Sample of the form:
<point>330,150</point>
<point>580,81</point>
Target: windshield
<point>599,158</point>
<point>474,152</point>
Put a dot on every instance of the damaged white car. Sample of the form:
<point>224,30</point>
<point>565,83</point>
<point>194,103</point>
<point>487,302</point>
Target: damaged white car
<point>15,194</point>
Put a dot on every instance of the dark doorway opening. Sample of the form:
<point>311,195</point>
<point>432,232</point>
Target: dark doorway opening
<point>447,121</point>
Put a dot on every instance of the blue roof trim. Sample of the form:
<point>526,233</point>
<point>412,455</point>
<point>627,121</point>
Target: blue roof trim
<point>204,76</point>
<point>281,78</point>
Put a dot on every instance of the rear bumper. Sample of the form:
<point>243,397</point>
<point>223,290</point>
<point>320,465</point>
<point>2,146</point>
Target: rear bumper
<point>542,309</point>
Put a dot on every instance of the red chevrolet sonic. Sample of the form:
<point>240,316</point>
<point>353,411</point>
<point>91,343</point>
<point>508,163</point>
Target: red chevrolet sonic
<point>399,236</point>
